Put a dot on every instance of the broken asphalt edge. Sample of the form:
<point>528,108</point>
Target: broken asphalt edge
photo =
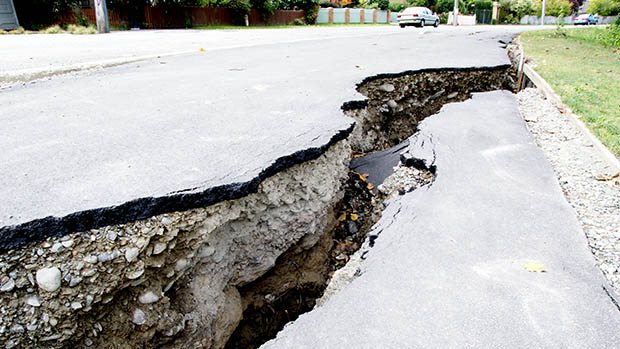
<point>16,236</point>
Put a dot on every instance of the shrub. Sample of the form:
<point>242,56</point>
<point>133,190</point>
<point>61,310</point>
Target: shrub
<point>55,29</point>
<point>611,36</point>
<point>81,30</point>
<point>383,4</point>
<point>422,3</point>
<point>397,7</point>
<point>484,4</point>
<point>554,7</point>
<point>604,7</point>
<point>444,6</point>
<point>325,4</point>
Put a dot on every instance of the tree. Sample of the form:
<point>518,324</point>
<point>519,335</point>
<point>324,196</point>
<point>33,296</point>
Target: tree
<point>554,7</point>
<point>37,14</point>
<point>601,7</point>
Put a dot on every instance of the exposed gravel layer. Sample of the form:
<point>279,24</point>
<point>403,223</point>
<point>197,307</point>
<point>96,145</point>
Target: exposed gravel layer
<point>580,172</point>
<point>170,280</point>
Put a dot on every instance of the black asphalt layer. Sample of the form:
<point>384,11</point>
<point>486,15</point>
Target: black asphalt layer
<point>98,148</point>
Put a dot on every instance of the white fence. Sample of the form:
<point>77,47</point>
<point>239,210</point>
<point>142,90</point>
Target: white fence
<point>535,20</point>
<point>353,16</point>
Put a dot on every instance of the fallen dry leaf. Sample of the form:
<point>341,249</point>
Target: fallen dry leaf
<point>354,216</point>
<point>607,178</point>
<point>342,217</point>
<point>535,267</point>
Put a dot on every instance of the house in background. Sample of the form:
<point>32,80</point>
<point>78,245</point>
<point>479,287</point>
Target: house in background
<point>8,17</point>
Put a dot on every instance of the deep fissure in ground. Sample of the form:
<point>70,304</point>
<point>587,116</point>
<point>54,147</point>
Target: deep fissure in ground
<point>235,271</point>
<point>395,105</point>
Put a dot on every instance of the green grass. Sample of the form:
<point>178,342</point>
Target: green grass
<point>584,70</point>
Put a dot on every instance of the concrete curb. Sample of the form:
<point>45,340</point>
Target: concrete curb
<point>548,92</point>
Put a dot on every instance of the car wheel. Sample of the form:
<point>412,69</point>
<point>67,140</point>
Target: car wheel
<point>436,24</point>
<point>402,25</point>
<point>422,24</point>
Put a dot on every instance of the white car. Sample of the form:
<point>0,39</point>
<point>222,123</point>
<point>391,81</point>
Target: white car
<point>417,16</point>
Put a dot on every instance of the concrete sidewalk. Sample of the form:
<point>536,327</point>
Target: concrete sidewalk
<point>490,255</point>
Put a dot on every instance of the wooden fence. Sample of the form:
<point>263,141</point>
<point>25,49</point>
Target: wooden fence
<point>182,17</point>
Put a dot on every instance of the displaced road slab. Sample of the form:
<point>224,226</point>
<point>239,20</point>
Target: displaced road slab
<point>97,148</point>
<point>489,255</point>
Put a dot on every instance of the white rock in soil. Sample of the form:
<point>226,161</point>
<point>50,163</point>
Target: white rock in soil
<point>76,305</point>
<point>386,87</point>
<point>90,259</point>
<point>131,254</point>
<point>180,264</point>
<point>104,257</point>
<point>67,243</point>
<point>57,247</point>
<point>33,301</point>
<point>138,318</point>
<point>132,275</point>
<point>48,279</point>
<point>159,248</point>
<point>148,297</point>
<point>8,286</point>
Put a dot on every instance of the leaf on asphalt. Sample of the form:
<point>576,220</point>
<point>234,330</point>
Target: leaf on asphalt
<point>607,178</point>
<point>363,176</point>
<point>357,154</point>
<point>202,49</point>
<point>370,186</point>
<point>342,217</point>
<point>354,216</point>
<point>359,66</point>
<point>535,267</point>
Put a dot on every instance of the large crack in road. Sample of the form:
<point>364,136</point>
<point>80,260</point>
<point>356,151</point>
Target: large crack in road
<point>200,276</point>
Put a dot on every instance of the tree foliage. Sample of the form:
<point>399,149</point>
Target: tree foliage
<point>554,7</point>
<point>604,7</point>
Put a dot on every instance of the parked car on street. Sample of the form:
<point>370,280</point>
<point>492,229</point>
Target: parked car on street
<point>585,19</point>
<point>417,16</point>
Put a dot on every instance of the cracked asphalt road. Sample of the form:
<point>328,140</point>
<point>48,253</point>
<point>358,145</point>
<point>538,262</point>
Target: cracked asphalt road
<point>449,268</point>
<point>186,123</point>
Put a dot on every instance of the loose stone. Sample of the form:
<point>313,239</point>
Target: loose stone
<point>131,254</point>
<point>387,87</point>
<point>159,248</point>
<point>104,257</point>
<point>57,247</point>
<point>49,279</point>
<point>8,286</point>
<point>148,297</point>
<point>33,301</point>
<point>138,318</point>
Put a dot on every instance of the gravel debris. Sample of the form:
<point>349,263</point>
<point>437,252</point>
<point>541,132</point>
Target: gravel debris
<point>580,171</point>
